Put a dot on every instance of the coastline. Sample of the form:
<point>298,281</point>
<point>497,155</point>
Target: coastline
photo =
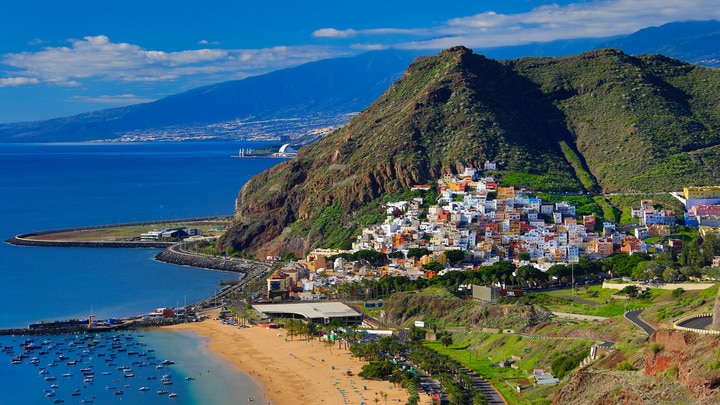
<point>293,371</point>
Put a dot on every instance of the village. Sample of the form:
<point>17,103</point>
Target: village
<point>513,226</point>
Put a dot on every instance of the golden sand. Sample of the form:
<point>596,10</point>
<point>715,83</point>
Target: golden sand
<point>295,371</point>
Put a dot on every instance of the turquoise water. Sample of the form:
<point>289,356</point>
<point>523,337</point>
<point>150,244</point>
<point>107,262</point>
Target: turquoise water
<point>51,186</point>
<point>213,381</point>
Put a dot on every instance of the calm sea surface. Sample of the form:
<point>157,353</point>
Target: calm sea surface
<point>49,186</point>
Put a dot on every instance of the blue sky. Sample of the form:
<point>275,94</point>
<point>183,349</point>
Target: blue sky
<point>60,58</point>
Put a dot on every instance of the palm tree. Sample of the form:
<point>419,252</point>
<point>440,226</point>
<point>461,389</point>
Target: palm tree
<point>446,339</point>
<point>292,327</point>
<point>311,330</point>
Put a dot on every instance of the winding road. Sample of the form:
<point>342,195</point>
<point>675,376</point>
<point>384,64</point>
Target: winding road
<point>701,322</point>
<point>634,317</point>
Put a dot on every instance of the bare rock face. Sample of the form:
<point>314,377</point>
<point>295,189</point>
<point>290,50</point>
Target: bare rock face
<point>679,368</point>
<point>687,357</point>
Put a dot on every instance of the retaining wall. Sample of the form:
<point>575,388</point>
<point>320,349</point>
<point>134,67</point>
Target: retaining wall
<point>662,286</point>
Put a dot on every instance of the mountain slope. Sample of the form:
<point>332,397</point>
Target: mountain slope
<point>328,87</point>
<point>626,123</point>
<point>691,41</point>
<point>646,123</point>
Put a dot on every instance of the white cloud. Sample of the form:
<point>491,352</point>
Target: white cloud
<point>98,58</point>
<point>17,81</point>
<point>599,18</point>
<point>351,33</point>
<point>114,99</point>
<point>369,47</point>
<point>334,33</point>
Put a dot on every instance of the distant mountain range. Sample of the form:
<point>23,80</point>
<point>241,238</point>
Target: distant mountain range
<point>322,91</point>
<point>598,121</point>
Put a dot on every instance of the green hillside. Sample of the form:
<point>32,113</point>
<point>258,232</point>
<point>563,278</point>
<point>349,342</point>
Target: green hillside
<point>599,121</point>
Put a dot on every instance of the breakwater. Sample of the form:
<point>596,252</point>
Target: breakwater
<point>176,255</point>
<point>23,239</point>
<point>20,240</point>
<point>62,330</point>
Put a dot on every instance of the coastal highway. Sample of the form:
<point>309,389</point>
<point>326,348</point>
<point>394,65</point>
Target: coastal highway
<point>491,394</point>
<point>251,269</point>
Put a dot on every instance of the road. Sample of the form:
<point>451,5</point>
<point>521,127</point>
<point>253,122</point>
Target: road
<point>492,396</point>
<point>701,322</point>
<point>634,317</point>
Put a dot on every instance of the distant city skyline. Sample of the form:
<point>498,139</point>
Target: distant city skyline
<point>59,59</point>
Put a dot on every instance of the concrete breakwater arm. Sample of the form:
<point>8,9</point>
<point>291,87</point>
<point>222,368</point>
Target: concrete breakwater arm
<point>69,238</point>
<point>19,240</point>
<point>176,255</point>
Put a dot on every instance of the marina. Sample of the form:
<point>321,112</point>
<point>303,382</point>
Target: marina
<point>80,360</point>
<point>108,283</point>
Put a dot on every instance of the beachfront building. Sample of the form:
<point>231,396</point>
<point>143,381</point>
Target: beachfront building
<point>316,312</point>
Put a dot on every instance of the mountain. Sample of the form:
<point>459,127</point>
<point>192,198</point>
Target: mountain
<point>601,120</point>
<point>324,88</point>
<point>322,93</point>
<point>692,41</point>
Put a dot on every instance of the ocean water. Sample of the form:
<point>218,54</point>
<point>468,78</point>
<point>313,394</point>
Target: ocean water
<point>50,186</point>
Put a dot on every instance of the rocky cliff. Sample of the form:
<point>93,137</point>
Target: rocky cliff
<point>679,367</point>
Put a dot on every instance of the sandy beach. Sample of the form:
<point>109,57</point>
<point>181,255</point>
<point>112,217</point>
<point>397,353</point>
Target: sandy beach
<point>294,371</point>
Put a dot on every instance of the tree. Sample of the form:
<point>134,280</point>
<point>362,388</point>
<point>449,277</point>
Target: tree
<point>293,327</point>
<point>648,271</point>
<point>417,253</point>
<point>630,290</point>
<point>372,257</point>
<point>524,256</point>
<point>433,266</point>
<point>670,274</point>
<point>455,256</point>
<point>288,256</point>
<point>446,339</point>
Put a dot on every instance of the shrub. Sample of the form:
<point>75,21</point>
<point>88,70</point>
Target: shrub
<point>625,366</point>
<point>562,365</point>
<point>655,348</point>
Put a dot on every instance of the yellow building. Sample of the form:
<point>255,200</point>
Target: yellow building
<point>701,192</point>
<point>503,193</point>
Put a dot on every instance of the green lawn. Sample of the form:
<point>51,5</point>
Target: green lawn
<point>479,350</point>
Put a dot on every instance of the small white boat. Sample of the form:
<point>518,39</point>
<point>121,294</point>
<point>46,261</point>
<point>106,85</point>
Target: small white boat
<point>144,388</point>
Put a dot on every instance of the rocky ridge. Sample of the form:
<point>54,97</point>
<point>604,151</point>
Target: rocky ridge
<point>615,121</point>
